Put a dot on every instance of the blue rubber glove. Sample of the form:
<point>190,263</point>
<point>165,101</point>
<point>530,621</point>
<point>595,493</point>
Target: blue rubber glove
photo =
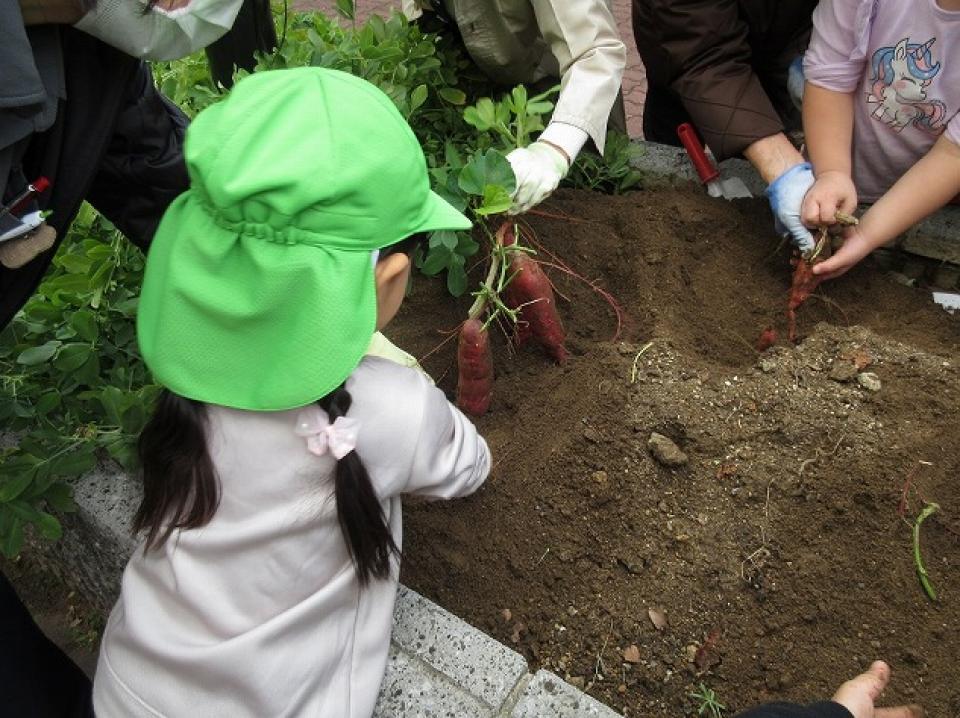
<point>786,195</point>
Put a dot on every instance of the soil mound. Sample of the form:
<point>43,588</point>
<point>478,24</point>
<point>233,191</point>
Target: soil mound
<point>777,552</point>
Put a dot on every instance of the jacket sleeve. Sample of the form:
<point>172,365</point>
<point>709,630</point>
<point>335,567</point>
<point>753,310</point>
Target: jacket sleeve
<point>143,169</point>
<point>450,458</point>
<point>705,46</point>
<point>583,37</point>
<point>825,709</point>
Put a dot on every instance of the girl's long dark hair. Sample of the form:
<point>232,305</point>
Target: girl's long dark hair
<point>180,486</point>
<point>359,511</point>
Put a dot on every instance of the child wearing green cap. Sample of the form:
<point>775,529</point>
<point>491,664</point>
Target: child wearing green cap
<point>274,463</point>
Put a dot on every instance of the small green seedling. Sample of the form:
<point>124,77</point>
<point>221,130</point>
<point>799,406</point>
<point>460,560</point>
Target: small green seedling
<point>709,705</point>
<point>928,589</point>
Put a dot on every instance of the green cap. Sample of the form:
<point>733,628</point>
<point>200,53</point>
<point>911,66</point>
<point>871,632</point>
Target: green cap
<point>259,286</point>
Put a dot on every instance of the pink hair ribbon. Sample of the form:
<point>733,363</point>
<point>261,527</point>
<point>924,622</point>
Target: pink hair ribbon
<point>339,438</point>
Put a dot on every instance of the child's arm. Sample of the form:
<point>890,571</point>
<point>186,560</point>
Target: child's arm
<point>450,458</point>
<point>828,126</point>
<point>926,187</point>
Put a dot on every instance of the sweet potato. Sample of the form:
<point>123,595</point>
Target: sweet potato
<point>804,284</point>
<point>768,337</point>
<point>530,290</point>
<point>475,365</point>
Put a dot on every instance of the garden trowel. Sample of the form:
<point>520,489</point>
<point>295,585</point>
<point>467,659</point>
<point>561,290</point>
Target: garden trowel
<point>717,186</point>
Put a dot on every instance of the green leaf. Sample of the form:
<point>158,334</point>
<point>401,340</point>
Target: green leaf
<point>489,168</point>
<point>445,237</point>
<point>112,400</point>
<point>345,8</point>
<point>89,373</point>
<point>11,533</point>
<point>495,200</point>
<point>60,497</point>
<point>483,115</point>
<point>38,355</point>
<point>418,97</point>
<point>467,246</point>
<point>435,261</point>
<point>12,488</point>
<point>456,276</point>
<point>84,323</point>
<point>71,357</point>
<point>452,95</point>
<point>75,463</point>
<point>47,402</point>
<point>48,526</point>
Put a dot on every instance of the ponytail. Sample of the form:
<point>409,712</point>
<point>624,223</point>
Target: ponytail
<point>180,486</point>
<point>359,512</point>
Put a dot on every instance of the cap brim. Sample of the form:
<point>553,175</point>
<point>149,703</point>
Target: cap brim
<point>440,214</point>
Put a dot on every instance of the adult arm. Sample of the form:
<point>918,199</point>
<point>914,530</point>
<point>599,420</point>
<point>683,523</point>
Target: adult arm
<point>591,58</point>
<point>705,48</point>
<point>583,37</point>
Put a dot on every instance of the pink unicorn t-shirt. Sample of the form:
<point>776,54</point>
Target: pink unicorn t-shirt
<point>901,59</point>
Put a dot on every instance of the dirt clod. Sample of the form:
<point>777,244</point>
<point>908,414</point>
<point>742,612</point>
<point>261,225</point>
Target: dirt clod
<point>869,381</point>
<point>666,451</point>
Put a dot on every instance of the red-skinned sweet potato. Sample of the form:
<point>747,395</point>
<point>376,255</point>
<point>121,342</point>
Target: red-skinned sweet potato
<point>475,368</point>
<point>530,289</point>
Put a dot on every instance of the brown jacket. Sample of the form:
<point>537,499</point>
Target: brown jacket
<point>721,64</point>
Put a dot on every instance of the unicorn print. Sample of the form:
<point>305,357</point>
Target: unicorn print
<point>898,87</point>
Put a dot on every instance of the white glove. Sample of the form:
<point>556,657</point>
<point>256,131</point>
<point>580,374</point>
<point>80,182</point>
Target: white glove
<point>538,169</point>
<point>160,34</point>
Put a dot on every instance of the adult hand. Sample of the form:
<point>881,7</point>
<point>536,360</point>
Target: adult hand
<point>860,694</point>
<point>786,195</point>
<point>538,169</point>
<point>833,191</point>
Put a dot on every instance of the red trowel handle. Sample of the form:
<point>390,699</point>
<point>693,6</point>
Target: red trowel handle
<point>706,170</point>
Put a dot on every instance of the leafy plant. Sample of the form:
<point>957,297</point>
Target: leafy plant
<point>513,119</point>
<point>613,173</point>
<point>709,705</point>
<point>71,376</point>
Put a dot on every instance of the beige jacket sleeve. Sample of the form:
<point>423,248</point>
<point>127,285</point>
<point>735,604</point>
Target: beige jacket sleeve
<point>583,37</point>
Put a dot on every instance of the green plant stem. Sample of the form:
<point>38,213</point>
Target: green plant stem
<point>486,289</point>
<point>928,511</point>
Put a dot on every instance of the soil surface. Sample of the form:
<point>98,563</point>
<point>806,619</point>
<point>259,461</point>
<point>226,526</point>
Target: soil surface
<point>776,559</point>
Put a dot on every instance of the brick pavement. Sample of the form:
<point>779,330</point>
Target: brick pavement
<point>634,78</point>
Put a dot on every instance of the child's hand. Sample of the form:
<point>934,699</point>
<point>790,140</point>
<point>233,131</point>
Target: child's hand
<point>855,247</point>
<point>832,191</point>
<point>860,694</point>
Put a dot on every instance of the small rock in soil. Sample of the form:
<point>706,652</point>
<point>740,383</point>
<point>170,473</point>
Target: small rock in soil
<point>591,434</point>
<point>843,371</point>
<point>665,451</point>
<point>869,381</point>
<point>658,618</point>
